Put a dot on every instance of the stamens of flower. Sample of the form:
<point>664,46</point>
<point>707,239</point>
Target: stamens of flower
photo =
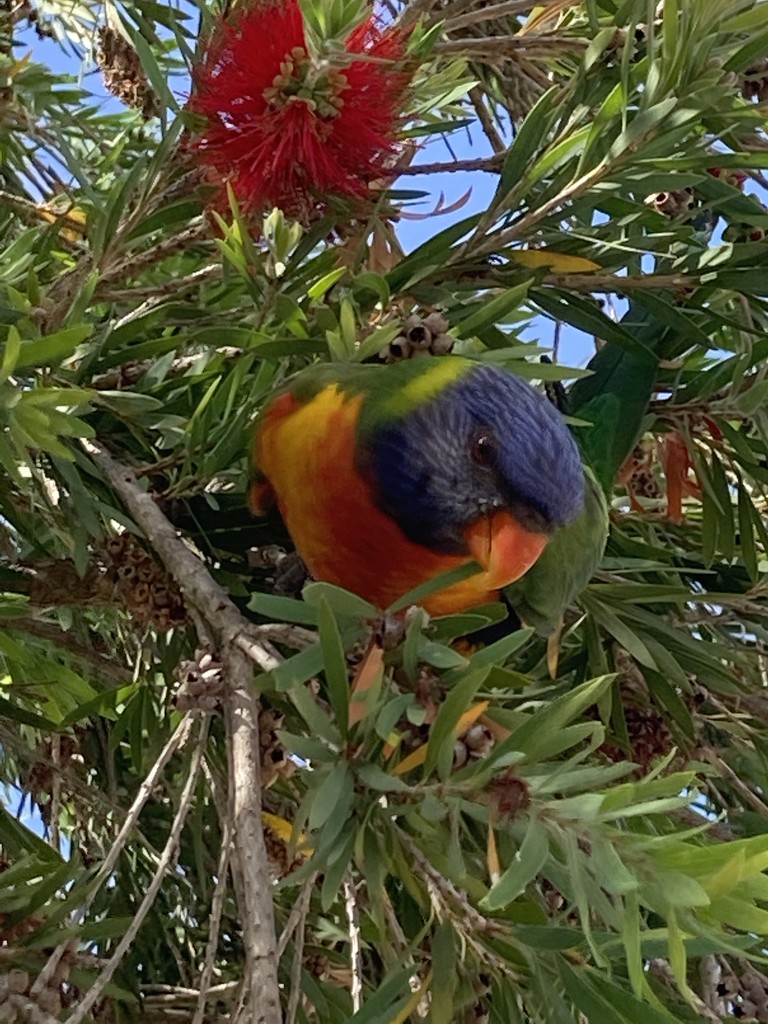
<point>316,85</point>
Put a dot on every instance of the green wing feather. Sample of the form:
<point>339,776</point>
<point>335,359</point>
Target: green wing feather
<point>394,389</point>
<point>541,597</point>
<point>389,392</point>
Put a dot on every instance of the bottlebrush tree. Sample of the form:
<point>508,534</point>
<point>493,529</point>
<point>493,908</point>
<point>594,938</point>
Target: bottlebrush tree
<point>567,824</point>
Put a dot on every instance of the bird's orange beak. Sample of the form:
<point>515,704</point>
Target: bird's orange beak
<point>503,547</point>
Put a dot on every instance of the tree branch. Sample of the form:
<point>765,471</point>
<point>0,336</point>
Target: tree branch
<point>214,920</point>
<point>355,949</point>
<point>662,969</point>
<point>199,587</point>
<point>145,790</point>
<point>166,859</point>
<point>506,9</point>
<point>241,709</point>
<point>500,46</point>
<point>242,716</point>
<point>491,164</point>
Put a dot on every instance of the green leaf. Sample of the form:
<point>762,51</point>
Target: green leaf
<point>578,312</point>
<point>440,746</point>
<point>328,794</point>
<point>283,609</point>
<point>319,288</point>
<point>534,128</point>
<point>528,862</point>
<point>341,601</point>
<point>382,1007</point>
<point>444,973</point>
<point>445,579</point>
<point>534,731</point>
<point>334,665</point>
<point>492,311</point>
<point>52,349</point>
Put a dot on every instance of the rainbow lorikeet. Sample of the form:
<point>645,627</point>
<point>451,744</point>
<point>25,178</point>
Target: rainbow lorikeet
<point>565,567</point>
<point>388,476</point>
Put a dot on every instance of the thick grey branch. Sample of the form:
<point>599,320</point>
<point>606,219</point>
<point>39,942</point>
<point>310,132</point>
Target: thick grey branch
<point>242,715</point>
<point>199,587</point>
<point>241,709</point>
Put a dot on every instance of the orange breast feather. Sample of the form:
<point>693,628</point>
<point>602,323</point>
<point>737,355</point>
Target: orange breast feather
<point>307,453</point>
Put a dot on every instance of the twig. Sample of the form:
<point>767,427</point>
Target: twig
<point>302,906</point>
<point>242,717</point>
<point>355,952</point>
<point>448,902</point>
<point>166,859</point>
<point>137,261</point>
<point>55,807</point>
<point>498,10</point>
<point>214,920</point>
<point>492,134</point>
<point>180,995</point>
<point>199,587</point>
<point>48,972</point>
<point>299,909</point>
<point>292,636</point>
<point>662,969</point>
<point>238,1012</point>
<point>499,46</point>
<point>130,373</point>
<point>528,220</point>
<point>154,302</point>
<point>614,283</point>
<point>401,942</point>
<point>32,211</point>
<point>414,11</point>
<point>66,288</point>
<point>491,164</point>
<point>717,830</point>
<point>741,787</point>
<point>170,287</point>
<point>507,9</point>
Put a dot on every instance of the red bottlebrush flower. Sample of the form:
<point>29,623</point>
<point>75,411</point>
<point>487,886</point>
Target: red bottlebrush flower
<point>288,130</point>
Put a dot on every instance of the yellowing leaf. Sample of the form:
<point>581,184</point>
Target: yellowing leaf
<point>470,716</point>
<point>494,865</point>
<point>739,868</point>
<point>283,829</point>
<point>418,756</point>
<point>18,65</point>
<point>368,674</point>
<point>393,742</point>
<point>73,221</point>
<point>559,262</point>
<point>414,759</point>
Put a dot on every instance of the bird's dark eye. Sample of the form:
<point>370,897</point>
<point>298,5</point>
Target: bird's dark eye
<point>484,447</point>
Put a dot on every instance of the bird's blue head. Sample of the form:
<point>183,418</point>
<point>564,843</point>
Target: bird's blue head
<point>486,441</point>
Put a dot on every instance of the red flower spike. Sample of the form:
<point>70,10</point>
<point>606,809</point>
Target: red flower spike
<point>285,131</point>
